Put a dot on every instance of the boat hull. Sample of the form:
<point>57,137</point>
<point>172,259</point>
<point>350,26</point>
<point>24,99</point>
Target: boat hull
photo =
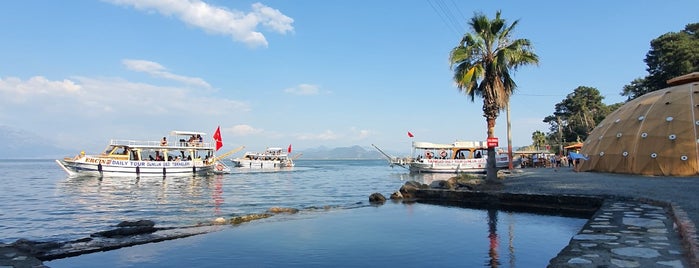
<point>261,164</point>
<point>453,165</point>
<point>119,168</point>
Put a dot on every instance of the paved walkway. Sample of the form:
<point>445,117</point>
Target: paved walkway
<point>644,228</point>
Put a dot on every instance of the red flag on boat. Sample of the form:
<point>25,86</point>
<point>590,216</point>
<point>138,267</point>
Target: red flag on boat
<point>217,138</point>
<point>410,134</point>
<point>289,149</point>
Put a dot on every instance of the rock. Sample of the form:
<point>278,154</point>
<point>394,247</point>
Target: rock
<point>376,198</point>
<point>126,231</point>
<point>444,184</point>
<point>140,223</point>
<point>35,248</point>
<point>220,220</point>
<point>251,217</point>
<point>396,195</point>
<point>282,210</point>
<point>408,189</point>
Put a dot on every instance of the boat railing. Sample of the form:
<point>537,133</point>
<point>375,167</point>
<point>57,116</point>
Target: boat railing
<point>177,144</point>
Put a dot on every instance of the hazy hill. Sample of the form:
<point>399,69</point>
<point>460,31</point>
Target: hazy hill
<point>354,152</point>
<point>21,144</point>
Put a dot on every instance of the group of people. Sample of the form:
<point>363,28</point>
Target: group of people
<point>552,161</point>
<point>461,154</point>
<point>194,140</point>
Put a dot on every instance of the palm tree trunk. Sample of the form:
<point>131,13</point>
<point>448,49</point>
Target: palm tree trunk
<point>491,172</point>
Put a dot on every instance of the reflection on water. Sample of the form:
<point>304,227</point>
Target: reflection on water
<point>392,235</point>
<point>493,237</point>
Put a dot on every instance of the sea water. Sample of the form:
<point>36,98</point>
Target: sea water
<point>39,202</point>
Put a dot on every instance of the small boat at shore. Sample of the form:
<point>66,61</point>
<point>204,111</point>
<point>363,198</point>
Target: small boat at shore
<point>457,157</point>
<point>185,153</point>
<point>271,158</point>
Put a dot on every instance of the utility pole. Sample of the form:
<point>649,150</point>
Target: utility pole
<point>509,139</point>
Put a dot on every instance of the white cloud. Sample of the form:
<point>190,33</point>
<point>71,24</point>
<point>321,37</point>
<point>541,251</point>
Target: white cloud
<point>244,130</point>
<point>362,134</point>
<point>18,91</point>
<point>157,70</point>
<point>326,135</point>
<point>303,89</point>
<point>106,106</point>
<point>218,20</point>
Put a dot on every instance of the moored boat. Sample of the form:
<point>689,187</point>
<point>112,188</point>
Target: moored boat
<point>457,157</point>
<point>185,153</point>
<point>271,158</point>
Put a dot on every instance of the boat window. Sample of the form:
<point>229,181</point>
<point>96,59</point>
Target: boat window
<point>463,154</point>
<point>109,150</point>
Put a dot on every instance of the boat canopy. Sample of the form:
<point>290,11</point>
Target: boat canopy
<point>186,133</point>
<point>455,145</point>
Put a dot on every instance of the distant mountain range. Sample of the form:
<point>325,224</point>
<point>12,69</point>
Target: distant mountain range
<point>21,144</point>
<point>353,152</point>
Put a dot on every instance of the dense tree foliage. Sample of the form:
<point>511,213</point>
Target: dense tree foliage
<point>538,139</point>
<point>671,55</point>
<point>577,115</point>
<point>482,63</point>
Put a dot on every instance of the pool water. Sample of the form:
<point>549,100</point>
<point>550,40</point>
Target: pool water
<point>391,235</point>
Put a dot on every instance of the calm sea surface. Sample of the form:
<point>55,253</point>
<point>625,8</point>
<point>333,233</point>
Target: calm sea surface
<point>39,202</point>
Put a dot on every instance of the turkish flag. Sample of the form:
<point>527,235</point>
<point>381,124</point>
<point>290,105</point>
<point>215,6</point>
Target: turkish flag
<point>217,138</point>
<point>289,149</point>
<point>410,134</point>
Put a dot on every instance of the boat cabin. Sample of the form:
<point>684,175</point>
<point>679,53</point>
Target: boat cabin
<point>457,150</point>
<point>190,146</point>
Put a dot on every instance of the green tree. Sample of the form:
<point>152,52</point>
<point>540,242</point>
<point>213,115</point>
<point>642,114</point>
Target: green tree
<point>538,139</point>
<point>671,55</point>
<point>578,114</point>
<point>482,63</point>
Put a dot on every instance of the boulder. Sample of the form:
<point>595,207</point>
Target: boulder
<point>449,184</point>
<point>219,221</point>
<point>376,198</point>
<point>396,195</point>
<point>408,189</point>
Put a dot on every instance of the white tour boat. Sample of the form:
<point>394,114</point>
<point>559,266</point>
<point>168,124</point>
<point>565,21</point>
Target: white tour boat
<point>185,153</point>
<point>273,157</point>
<point>457,157</point>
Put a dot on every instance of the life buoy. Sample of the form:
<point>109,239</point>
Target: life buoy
<point>219,167</point>
<point>443,154</point>
<point>428,155</point>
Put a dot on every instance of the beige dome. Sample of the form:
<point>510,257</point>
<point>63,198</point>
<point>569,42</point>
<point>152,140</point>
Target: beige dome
<point>654,134</point>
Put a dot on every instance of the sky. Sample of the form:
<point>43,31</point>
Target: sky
<point>308,73</point>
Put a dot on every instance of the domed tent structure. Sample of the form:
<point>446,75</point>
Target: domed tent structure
<point>654,134</point>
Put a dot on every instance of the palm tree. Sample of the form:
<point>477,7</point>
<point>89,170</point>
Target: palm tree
<point>539,139</point>
<point>482,62</point>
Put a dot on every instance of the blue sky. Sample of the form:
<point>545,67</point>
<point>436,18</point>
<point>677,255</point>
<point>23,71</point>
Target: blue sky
<point>307,73</point>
